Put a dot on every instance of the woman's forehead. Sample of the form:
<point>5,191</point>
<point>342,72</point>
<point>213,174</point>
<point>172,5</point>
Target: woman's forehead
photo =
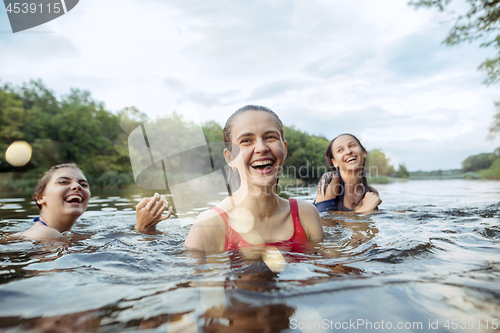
<point>343,139</point>
<point>254,121</point>
<point>68,173</point>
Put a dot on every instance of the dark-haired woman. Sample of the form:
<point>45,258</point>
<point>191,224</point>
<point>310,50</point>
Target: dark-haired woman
<point>345,188</point>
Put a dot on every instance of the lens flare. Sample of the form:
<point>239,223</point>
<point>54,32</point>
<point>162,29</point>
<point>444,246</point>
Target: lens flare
<point>274,259</point>
<point>18,154</point>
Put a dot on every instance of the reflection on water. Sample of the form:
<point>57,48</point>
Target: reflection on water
<point>431,254</point>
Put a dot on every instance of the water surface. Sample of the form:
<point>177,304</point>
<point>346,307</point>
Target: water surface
<point>429,260</point>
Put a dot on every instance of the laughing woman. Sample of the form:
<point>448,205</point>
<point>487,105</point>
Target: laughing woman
<point>345,188</point>
<point>260,216</point>
<point>254,215</point>
<point>62,196</point>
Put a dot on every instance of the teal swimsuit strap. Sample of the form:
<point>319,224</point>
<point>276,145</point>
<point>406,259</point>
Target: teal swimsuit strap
<point>37,219</point>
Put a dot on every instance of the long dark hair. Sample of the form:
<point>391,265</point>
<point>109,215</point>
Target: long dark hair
<point>226,132</point>
<point>335,170</point>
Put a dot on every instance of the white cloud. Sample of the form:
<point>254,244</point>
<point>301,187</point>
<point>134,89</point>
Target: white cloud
<point>374,68</point>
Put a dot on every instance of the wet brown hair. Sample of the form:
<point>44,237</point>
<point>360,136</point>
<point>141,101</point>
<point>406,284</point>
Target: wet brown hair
<point>226,132</point>
<point>42,182</point>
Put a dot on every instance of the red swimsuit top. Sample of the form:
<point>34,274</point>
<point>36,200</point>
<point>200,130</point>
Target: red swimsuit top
<point>296,243</point>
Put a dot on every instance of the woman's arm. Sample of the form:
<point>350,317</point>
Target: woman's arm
<point>310,220</point>
<point>207,234</point>
<point>370,203</point>
<point>328,187</point>
<point>149,212</point>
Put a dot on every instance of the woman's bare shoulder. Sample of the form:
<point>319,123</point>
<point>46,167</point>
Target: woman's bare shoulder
<point>207,233</point>
<point>41,232</point>
<point>310,220</point>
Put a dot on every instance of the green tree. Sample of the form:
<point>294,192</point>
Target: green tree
<point>478,162</point>
<point>130,118</point>
<point>402,172</point>
<point>495,126</point>
<point>377,164</point>
<point>75,128</point>
<point>212,131</point>
<point>306,155</point>
<point>11,123</point>
<point>213,136</point>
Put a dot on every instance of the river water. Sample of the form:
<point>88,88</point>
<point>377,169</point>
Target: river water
<point>428,261</point>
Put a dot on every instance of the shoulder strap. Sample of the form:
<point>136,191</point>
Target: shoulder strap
<point>37,219</point>
<point>222,214</point>
<point>294,208</point>
<point>228,234</point>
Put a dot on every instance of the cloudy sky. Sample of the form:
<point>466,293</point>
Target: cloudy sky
<point>376,69</point>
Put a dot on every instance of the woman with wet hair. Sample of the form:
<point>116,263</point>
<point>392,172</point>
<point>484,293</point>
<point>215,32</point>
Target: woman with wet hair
<point>62,196</point>
<point>345,187</point>
<point>254,215</point>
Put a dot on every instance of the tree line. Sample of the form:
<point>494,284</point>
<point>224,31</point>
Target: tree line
<point>76,128</point>
<point>487,165</point>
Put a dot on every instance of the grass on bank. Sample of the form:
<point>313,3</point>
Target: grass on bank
<point>493,172</point>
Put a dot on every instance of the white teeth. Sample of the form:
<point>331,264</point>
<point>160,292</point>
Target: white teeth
<point>265,162</point>
<point>73,196</point>
<point>351,159</point>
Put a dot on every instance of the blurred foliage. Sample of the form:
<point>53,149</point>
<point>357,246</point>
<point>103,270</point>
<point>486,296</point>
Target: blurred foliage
<point>487,165</point>
<point>478,162</point>
<point>377,164</point>
<point>402,172</point>
<point>493,172</point>
<point>495,126</point>
<point>76,128</point>
<point>305,155</point>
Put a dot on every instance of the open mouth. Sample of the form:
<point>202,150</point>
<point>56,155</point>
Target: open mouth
<point>73,198</point>
<point>351,159</point>
<point>262,165</point>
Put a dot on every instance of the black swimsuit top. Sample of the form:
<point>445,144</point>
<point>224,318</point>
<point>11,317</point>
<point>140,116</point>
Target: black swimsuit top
<point>332,205</point>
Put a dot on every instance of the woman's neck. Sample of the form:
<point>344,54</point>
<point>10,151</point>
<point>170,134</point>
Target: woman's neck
<point>262,202</point>
<point>353,183</point>
<point>56,221</point>
<point>351,177</point>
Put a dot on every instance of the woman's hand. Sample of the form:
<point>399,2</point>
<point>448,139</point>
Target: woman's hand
<point>328,187</point>
<point>149,212</point>
<point>370,203</point>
